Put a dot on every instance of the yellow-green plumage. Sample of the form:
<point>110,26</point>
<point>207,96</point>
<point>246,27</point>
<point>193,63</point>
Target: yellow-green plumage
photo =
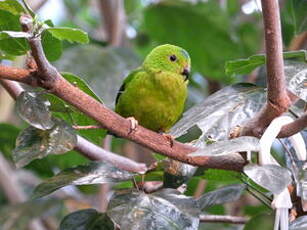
<point>155,93</point>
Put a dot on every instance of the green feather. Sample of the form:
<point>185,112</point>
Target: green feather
<point>155,93</point>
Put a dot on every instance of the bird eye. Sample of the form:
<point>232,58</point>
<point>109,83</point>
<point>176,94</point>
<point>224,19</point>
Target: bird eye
<point>173,57</point>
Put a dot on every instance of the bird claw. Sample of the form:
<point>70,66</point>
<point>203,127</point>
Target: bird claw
<point>170,139</point>
<point>133,124</point>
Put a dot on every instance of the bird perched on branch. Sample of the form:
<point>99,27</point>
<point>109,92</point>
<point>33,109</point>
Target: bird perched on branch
<point>155,93</point>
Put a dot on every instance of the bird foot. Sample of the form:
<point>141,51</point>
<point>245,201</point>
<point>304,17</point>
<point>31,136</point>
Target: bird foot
<point>133,124</point>
<point>169,138</point>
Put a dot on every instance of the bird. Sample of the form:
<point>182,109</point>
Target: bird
<point>154,94</point>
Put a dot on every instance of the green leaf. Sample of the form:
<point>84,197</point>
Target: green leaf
<point>69,34</point>
<point>87,219</point>
<point>12,6</point>
<point>34,143</point>
<point>11,46</point>
<point>34,109</point>
<point>245,66</point>
<point>52,46</point>
<point>93,173</point>
<point>72,115</point>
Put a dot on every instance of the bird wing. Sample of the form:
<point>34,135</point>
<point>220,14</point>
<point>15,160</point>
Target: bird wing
<point>128,79</point>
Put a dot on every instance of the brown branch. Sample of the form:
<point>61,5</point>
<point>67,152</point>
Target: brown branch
<point>223,219</point>
<point>17,74</point>
<point>94,152</point>
<point>278,100</point>
<point>294,127</point>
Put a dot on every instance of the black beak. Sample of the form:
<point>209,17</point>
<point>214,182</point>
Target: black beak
<point>186,73</point>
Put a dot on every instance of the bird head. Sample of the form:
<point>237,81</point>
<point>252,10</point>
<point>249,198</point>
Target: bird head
<point>169,58</point>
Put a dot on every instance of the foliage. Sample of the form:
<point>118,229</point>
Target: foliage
<point>216,36</point>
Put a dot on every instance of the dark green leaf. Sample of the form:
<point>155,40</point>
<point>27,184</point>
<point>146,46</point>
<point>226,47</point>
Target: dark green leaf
<point>72,115</point>
<point>34,143</point>
<point>12,6</point>
<point>271,177</point>
<point>166,209</point>
<point>87,219</point>
<point>245,66</point>
<point>93,173</point>
<point>220,196</point>
<point>69,34</point>
<point>219,113</point>
<point>52,46</point>
<point>12,46</point>
<point>34,109</point>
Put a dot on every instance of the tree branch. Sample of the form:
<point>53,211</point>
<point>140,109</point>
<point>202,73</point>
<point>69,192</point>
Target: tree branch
<point>294,127</point>
<point>278,100</point>
<point>223,219</point>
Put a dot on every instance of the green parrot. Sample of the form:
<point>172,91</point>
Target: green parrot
<point>154,94</point>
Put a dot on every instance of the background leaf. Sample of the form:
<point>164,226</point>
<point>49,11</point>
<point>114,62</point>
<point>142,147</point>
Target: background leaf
<point>12,46</point>
<point>93,173</point>
<point>245,66</point>
<point>34,143</point>
<point>69,34</point>
<point>102,68</point>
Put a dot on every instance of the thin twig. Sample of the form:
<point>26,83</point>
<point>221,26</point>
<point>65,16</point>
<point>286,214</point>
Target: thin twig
<point>85,127</point>
<point>223,219</point>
